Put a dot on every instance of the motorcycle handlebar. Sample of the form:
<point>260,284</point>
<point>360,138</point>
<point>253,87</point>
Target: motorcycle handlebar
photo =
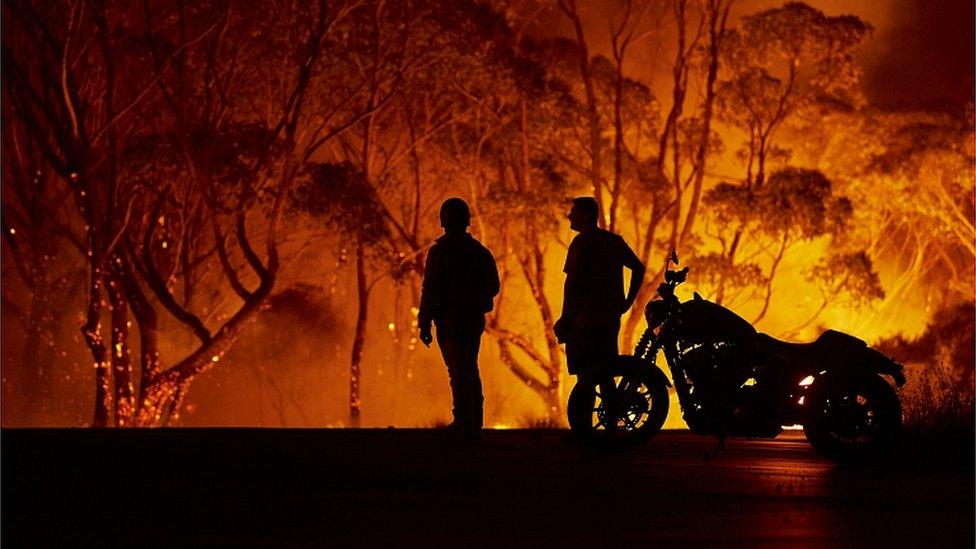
<point>675,277</point>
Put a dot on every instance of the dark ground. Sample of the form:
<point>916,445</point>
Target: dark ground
<point>397,488</point>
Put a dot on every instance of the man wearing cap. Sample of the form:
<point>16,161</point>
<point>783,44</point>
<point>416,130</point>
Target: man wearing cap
<point>460,283</point>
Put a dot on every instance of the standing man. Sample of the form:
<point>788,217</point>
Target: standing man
<point>593,297</point>
<point>460,283</point>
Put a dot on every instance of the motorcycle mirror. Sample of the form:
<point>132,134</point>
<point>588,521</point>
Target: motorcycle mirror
<point>676,277</point>
<point>674,257</point>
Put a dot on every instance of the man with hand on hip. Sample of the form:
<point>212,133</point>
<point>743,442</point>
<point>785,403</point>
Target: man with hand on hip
<point>593,297</point>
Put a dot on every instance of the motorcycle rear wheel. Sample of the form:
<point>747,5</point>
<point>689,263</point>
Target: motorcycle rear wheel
<point>641,413</point>
<point>855,420</point>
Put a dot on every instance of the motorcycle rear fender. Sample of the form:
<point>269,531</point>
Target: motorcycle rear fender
<point>650,369</point>
<point>887,366</point>
<point>850,353</point>
<point>868,362</point>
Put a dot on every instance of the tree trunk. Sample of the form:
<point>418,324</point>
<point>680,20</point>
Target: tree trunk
<point>535,275</point>
<point>121,357</point>
<point>669,133</point>
<point>359,340</point>
<point>592,112</point>
<point>716,30</point>
<point>38,355</point>
<point>548,391</point>
<point>91,331</point>
<point>155,407</point>
<point>769,280</point>
<point>147,322</point>
<point>554,400</point>
<point>729,265</point>
<point>618,141</point>
<point>646,289</point>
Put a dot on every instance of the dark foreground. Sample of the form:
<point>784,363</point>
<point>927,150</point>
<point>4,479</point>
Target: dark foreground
<point>410,488</point>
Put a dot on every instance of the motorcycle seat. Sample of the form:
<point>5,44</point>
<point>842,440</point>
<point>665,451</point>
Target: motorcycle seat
<point>768,344</point>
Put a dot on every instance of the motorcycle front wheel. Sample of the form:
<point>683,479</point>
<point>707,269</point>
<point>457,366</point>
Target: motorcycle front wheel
<point>855,420</point>
<point>641,402</point>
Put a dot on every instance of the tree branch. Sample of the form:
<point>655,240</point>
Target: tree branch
<point>147,268</point>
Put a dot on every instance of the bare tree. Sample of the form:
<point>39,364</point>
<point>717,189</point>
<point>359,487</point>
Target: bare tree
<point>688,150</point>
<point>42,270</point>
<point>144,195</point>
<point>400,50</point>
<point>595,127</point>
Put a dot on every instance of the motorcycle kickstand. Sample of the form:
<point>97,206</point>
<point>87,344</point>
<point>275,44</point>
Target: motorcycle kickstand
<point>709,456</point>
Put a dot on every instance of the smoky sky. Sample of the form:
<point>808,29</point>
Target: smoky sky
<point>923,54</point>
<point>920,54</point>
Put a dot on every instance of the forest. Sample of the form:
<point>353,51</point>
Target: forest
<point>217,212</point>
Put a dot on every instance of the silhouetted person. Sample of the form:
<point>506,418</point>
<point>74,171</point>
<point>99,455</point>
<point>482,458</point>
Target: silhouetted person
<point>460,283</point>
<point>593,297</point>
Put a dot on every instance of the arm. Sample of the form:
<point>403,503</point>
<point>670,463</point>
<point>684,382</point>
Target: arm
<point>489,285</point>
<point>428,299</point>
<point>569,297</point>
<point>493,285</point>
<point>632,262</point>
<point>560,327</point>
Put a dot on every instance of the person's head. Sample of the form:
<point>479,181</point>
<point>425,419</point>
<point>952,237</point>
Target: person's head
<point>584,213</point>
<point>455,215</point>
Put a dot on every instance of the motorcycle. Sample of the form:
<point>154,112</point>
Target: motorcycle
<point>734,381</point>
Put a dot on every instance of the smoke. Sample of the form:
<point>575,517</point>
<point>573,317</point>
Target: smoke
<point>921,54</point>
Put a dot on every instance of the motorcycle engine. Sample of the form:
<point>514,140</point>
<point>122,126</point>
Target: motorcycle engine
<point>714,372</point>
<point>720,363</point>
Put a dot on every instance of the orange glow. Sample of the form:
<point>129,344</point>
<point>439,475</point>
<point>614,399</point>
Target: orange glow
<point>897,213</point>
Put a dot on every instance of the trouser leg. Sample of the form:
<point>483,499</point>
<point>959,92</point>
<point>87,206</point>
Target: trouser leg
<point>461,357</point>
<point>450,350</point>
<point>611,402</point>
<point>608,396</point>
<point>474,397</point>
<point>591,351</point>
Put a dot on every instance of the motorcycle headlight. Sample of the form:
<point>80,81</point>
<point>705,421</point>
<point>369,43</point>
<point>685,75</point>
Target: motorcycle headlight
<point>655,312</point>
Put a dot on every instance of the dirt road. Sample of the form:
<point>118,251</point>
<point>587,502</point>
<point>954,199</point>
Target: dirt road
<point>410,488</point>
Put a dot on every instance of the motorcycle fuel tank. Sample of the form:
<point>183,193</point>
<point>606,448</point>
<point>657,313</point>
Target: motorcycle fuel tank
<point>704,321</point>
